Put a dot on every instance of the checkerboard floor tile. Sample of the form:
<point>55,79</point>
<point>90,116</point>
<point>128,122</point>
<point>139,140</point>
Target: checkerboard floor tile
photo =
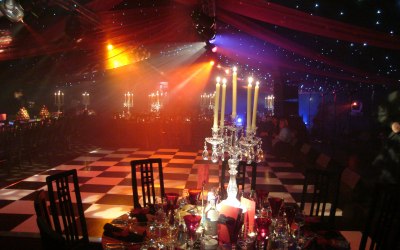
<point>105,184</point>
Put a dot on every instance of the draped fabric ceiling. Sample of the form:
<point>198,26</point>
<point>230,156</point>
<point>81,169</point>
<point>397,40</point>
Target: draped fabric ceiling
<point>171,23</point>
<point>245,14</point>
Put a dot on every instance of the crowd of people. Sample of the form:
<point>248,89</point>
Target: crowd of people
<point>280,133</point>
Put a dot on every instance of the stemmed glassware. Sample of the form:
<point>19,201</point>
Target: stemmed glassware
<point>170,202</point>
<point>262,226</point>
<point>261,198</point>
<point>192,223</point>
<point>194,196</point>
<point>172,199</point>
<point>299,219</point>
<point>290,212</point>
<point>276,205</point>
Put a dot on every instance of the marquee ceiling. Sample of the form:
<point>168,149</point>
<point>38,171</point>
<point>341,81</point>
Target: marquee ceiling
<point>312,42</point>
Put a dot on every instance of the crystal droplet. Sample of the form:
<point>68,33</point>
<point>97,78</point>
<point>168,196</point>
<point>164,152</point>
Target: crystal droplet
<point>214,157</point>
<point>205,154</point>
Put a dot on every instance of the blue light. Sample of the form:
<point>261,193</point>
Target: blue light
<point>239,121</point>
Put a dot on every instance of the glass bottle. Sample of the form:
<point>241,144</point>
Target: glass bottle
<point>279,237</point>
<point>182,232</point>
<point>211,215</point>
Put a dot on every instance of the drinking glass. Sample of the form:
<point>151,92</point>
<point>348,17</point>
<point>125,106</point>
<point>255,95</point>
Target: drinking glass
<point>172,199</point>
<point>299,219</point>
<point>192,222</point>
<point>290,212</point>
<point>262,226</point>
<point>158,235</point>
<point>172,236</point>
<point>194,196</point>
<point>261,196</point>
<point>280,235</point>
<point>276,204</point>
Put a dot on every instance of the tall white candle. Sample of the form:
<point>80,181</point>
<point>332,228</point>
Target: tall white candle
<point>253,121</point>
<point>234,92</point>
<point>249,87</point>
<point>223,103</point>
<point>216,103</point>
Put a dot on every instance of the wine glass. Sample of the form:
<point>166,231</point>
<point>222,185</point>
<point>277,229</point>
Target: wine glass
<point>290,212</point>
<point>262,226</point>
<point>276,205</point>
<point>299,219</point>
<point>194,196</point>
<point>160,211</point>
<point>261,196</point>
<point>172,235</point>
<point>192,222</point>
<point>171,203</point>
<point>172,199</point>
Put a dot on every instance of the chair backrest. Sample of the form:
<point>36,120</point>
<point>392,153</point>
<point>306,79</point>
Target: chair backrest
<point>146,169</point>
<point>323,160</point>
<point>41,208</point>
<point>73,222</point>
<point>350,178</point>
<point>320,188</point>
<point>240,176</point>
<point>50,238</point>
<point>382,226</point>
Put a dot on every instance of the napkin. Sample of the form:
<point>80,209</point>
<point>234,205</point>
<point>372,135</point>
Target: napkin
<point>122,234</point>
<point>140,214</point>
<point>250,213</point>
<point>229,223</point>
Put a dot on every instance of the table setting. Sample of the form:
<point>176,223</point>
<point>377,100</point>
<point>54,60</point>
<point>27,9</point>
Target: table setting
<point>197,219</point>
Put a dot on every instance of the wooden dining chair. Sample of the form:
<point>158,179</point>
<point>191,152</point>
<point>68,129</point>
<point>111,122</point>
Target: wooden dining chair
<point>50,238</point>
<point>146,168</point>
<point>240,176</point>
<point>382,226</point>
<point>320,188</point>
<point>68,218</point>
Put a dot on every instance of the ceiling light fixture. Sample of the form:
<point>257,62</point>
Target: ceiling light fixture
<point>12,10</point>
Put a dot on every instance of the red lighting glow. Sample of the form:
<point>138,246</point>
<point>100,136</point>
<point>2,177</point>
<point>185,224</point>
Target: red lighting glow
<point>214,49</point>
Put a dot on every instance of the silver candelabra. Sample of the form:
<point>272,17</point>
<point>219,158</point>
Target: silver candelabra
<point>231,141</point>
<point>59,100</point>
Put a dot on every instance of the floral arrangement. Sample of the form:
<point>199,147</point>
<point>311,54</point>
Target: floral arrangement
<point>22,114</point>
<point>44,113</point>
